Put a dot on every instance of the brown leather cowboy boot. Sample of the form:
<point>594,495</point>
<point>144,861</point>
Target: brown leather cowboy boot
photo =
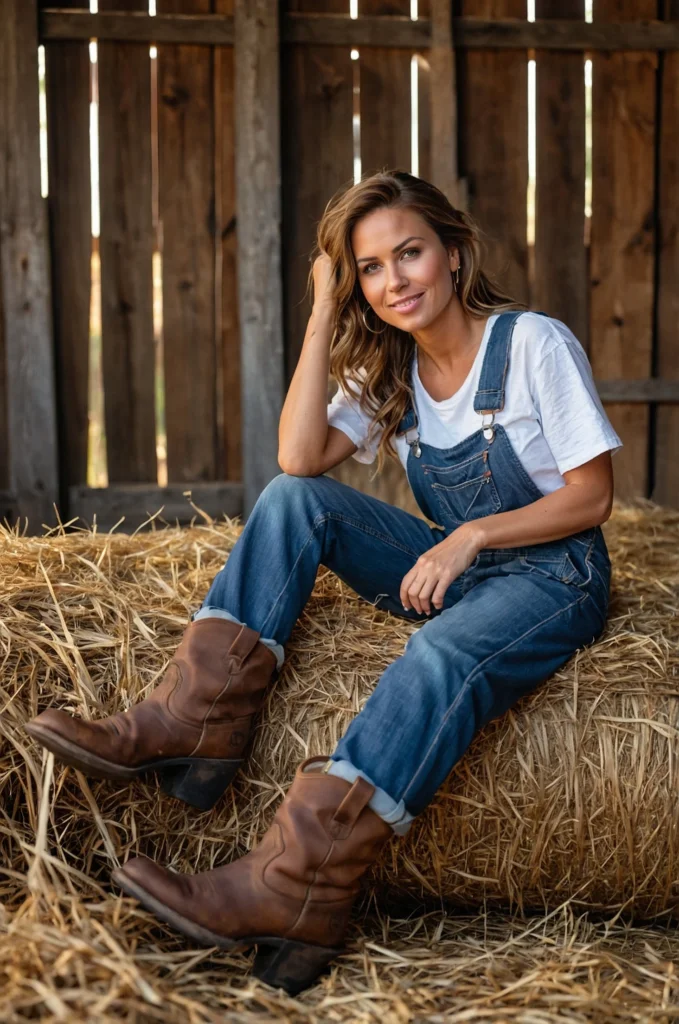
<point>193,729</point>
<point>292,895</point>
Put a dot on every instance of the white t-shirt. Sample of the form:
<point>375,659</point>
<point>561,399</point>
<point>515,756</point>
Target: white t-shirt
<point>553,415</point>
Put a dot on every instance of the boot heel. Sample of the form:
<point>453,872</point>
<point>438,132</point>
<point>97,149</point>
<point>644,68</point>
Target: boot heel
<point>199,782</point>
<point>292,966</point>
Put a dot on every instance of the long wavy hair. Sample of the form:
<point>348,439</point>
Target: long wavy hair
<point>378,364</point>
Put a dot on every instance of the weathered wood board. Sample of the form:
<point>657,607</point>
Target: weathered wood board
<point>67,91</point>
<point>666,435</point>
<point>622,258</point>
<point>25,274</point>
<point>186,133</point>
<point>561,287</point>
<point>126,247</point>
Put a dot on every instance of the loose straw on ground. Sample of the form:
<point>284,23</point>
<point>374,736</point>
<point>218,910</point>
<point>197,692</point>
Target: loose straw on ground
<point>565,805</point>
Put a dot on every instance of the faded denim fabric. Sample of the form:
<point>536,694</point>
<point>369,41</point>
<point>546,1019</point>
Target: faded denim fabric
<point>508,622</point>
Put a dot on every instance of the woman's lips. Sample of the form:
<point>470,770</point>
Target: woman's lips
<point>409,306</point>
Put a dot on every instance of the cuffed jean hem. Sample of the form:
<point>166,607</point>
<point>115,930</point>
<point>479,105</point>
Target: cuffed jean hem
<point>210,612</point>
<point>395,814</point>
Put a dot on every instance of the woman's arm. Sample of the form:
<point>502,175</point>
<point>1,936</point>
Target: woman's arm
<point>303,425</point>
<point>585,501</point>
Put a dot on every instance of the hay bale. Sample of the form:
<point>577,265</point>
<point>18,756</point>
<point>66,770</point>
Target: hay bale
<point>570,796</point>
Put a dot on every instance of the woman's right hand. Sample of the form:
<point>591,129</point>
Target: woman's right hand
<point>324,283</point>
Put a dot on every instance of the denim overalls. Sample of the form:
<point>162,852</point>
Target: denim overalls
<point>482,475</point>
<point>508,622</point>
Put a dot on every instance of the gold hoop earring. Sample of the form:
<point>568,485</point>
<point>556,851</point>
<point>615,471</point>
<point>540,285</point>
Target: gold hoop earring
<point>372,330</point>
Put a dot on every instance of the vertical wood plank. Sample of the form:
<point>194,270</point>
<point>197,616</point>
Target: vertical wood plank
<point>622,240</point>
<point>424,102</point>
<point>443,104</point>
<point>126,246</point>
<point>258,197</point>
<point>561,287</point>
<point>424,144</point>
<point>230,466</point>
<point>666,441</point>
<point>186,134</point>
<point>317,156</point>
<point>4,433</point>
<point>24,272</point>
<point>385,97</point>
<point>67,86</point>
<point>493,110</point>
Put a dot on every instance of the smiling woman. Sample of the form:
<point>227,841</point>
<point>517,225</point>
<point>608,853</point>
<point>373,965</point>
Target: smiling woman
<point>509,583</point>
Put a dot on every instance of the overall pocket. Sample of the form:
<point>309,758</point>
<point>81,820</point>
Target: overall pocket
<point>464,491</point>
<point>555,564</point>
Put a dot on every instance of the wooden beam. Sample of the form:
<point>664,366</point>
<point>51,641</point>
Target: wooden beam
<point>653,389</point>
<point>24,270</point>
<point>136,502</point>
<point>341,30</point>
<point>258,215</point>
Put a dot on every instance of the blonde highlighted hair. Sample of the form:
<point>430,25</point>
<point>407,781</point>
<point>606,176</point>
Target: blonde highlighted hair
<point>378,364</point>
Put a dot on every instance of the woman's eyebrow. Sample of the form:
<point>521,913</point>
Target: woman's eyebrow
<point>396,248</point>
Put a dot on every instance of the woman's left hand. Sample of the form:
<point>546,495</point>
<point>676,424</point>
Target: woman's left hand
<point>435,570</point>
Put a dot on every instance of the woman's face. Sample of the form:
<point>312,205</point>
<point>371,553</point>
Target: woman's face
<point>403,268</point>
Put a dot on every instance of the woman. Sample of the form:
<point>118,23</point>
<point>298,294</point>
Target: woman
<point>511,579</point>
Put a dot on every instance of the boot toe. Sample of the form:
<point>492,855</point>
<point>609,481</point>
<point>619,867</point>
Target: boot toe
<point>92,747</point>
<point>171,898</point>
<point>53,721</point>
<point>53,726</point>
<point>145,873</point>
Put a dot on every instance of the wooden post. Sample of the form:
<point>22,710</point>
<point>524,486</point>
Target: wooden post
<point>561,287</point>
<point>24,262</point>
<point>666,435</point>
<point>67,84</point>
<point>443,98</point>
<point>258,217</point>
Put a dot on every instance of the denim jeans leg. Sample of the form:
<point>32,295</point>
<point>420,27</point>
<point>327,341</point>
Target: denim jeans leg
<point>507,635</point>
<point>299,523</point>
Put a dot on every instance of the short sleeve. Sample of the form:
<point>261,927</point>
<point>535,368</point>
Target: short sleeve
<point>349,416</point>
<point>573,419</point>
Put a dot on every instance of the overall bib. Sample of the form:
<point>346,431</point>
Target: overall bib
<point>508,622</point>
<point>482,475</point>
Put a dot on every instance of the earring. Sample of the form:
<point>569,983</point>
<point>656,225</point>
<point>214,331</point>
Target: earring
<point>371,330</point>
<point>456,278</point>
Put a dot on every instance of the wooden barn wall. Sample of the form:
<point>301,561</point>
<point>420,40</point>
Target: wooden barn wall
<point>612,280</point>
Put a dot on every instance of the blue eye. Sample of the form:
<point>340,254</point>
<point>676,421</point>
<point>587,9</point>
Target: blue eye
<point>416,251</point>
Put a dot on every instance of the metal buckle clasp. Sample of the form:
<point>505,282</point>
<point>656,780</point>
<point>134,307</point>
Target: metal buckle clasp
<point>487,427</point>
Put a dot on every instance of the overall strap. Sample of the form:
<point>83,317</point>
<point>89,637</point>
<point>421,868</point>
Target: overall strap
<point>490,396</point>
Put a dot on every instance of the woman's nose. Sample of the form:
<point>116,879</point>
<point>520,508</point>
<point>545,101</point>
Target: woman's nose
<point>395,278</point>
